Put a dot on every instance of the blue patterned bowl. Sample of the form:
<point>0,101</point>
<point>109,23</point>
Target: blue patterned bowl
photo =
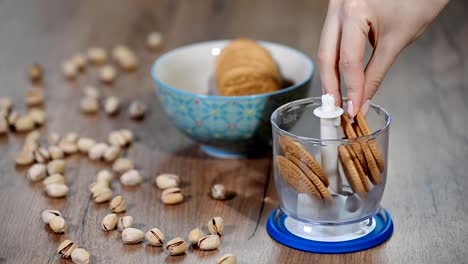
<point>225,126</point>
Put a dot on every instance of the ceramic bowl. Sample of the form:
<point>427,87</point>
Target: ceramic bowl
<point>225,126</point>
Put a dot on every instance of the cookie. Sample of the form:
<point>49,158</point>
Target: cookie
<point>301,153</point>
<point>374,172</point>
<point>295,177</point>
<point>361,121</point>
<point>349,133</point>
<point>312,176</point>
<point>359,169</point>
<point>350,170</point>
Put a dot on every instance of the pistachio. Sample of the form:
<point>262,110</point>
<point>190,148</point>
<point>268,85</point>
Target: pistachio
<point>218,192</point>
<point>12,118</point>
<point>35,73</point>
<point>24,158</point>
<point>216,226</point>
<point>34,96</point>
<point>89,105</point>
<point>109,222</point>
<point>97,151</point>
<point>37,172</point>
<point>155,237</point>
<point>69,70</point>
<point>176,246</point>
<point>66,248</point>
<point>85,144</point>
<point>107,73</point>
<point>104,175</point>
<point>68,147</point>
<point>122,165</point>
<point>55,152</point>
<point>127,134</point>
<point>195,235</point>
<point>53,138</point>
<point>118,204</point>
<point>30,146</point>
<point>132,235</point>
<point>24,124</point>
<point>125,222</point>
<point>41,155</point>
<point>116,138</point>
<point>57,224</point>
<point>227,259</point>
<point>97,55</point>
<point>79,60</point>
<point>172,196</point>
<point>56,166</point>
<point>112,105</point>
<point>125,57</point>
<point>102,195</point>
<point>48,214</point>
<point>154,40</point>
<point>209,242</point>
<point>131,178</point>
<point>112,153</point>
<point>91,91</point>
<point>56,190</point>
<point>4,128</point>
<point>54,178</point>
<point>71,137</point>
<point>96,186</point>
<point>80,256</point>
<point>167,180</point>
<point>6,104</point>
<point>38,116</point>
<point>33,136</point>
<point>137,109</point>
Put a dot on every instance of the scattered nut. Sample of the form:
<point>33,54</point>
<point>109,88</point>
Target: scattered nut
<point>176,246</point>
<point>12,118</point>
<point>80,62</point>
<point>48,214</point>
<point>24,124</point>
<point>68,147</point>
<point>227,259</point>
<point>97,151</point>
<point>37,172</point>
<point>131,178</point>
<point>195,235</point>
<point>34,96</point>
<point>56,190</point>
<point>54,178</point>
<point>66,248</point>
<point>55,152</point>
<point>71,137</point>
<point>109,222</point>
<point>80,256</point>
<point>30,146</point>
<point>154,40</point>
<point>125,222</point>
<point>33,136</point>
<point>97,55</point>
<point>122,165</point>
<point>216,226</point>
<point>107,73</point>
<point>53,138</point>
<point>38,116</point>
<point>35,73</point>
<point>96,186</point>
<point>91,91</point>
<point>56,166</point>
<point>137,109</point>
<point>166,180</point>
<point>155,237</point>
<point>218,192</point>
<point>41,155</point>
<point>125,57</point>
<point>112,153</point>
<point>85,144</point>
<point>89,105</point>
<point>102,195</point>
<point>172,196</point>
<point>112,105</point>
<point>116,138</point>
<point>6,104</point>
<point>127,134</point>
<point>69,70</point>
<point>104,175</point>
<point>209,242</point>
<point>57,224</point>
<point>24,158</point>
<point>118,204</point>
<point>132,235</point>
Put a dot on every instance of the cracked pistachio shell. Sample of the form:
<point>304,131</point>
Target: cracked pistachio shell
<point>80,256</point>
<point>132,235</point>
<point>155,237</point>
<point>56,190</point>
<point>122,165</point>
<point>24,158</point>
<point>216,226</point>
<point>172,196</point>
<point>102,195</point>
<point>66,248</point>
<point>227,259</point>
<point>48,214</point>
<point>209,242</point>
<point>109,222</point>
<point>131,178</point>
<point>54,178</point>
<point>176,246</point>
<point>55,152</point>
<point>85,144</point>
<point>125,222</point>
<point>56,167</point>
<point>167,180</point>
<point>37,172</point>
<point>118,204</point>
<point>195,235</point>
<point>57,224</point>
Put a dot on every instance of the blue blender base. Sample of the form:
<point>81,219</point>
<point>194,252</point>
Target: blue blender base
<point>277,230</point>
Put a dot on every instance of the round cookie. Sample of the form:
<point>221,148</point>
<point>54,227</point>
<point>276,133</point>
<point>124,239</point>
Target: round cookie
<point>350,170</point>
<point>374,172</point>
<point>350,133</point>
<point>359,169</point>
<point>361,121</point>
<point>294,176</point>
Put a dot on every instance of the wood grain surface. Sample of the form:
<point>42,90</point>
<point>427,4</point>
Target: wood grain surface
<point>425,91</point>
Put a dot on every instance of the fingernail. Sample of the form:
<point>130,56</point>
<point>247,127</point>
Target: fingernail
<point>365,107</point>
<point>350,109</point>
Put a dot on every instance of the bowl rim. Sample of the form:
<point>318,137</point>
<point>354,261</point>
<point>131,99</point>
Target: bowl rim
<point>220,97</point>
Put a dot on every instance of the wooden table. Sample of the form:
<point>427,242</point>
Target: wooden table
<point>426,92</point>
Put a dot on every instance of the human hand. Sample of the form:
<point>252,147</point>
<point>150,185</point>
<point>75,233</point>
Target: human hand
<point>390,26</point>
